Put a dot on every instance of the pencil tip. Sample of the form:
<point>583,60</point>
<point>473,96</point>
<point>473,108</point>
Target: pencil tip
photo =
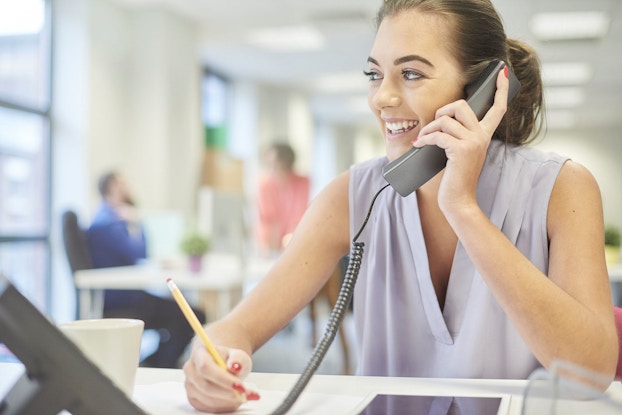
<point>169,280</point>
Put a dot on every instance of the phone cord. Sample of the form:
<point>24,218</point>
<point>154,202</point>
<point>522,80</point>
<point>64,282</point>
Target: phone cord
<point>335,319</point>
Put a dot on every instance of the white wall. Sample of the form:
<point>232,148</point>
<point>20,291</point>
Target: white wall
<point>126,93</point>
<point>145,96</point>
<point>601,153</point>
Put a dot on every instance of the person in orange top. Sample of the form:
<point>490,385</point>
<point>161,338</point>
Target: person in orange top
<point>282,199</point>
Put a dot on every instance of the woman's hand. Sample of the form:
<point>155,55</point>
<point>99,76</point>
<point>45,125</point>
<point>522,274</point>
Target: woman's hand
<point>210,388</point>
<point>465,140</point>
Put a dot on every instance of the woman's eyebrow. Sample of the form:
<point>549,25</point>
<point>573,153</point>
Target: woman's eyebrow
<point>409,58</point>
<point>404,59</point>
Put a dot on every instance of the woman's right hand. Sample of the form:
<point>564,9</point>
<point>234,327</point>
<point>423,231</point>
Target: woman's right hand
<point>209,388</point>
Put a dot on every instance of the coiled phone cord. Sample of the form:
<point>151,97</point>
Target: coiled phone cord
<point>335,319</point>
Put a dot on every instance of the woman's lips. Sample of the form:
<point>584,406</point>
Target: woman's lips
<point>397,130</point>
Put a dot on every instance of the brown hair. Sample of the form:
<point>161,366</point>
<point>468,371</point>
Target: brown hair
<point>285,154</point>
<point>479,38</point>
<point>103,184</point>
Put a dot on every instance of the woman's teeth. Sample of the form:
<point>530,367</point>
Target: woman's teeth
<point>400,127</point>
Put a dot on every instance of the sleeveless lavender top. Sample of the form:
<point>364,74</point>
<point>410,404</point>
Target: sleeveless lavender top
<point>400,327</point>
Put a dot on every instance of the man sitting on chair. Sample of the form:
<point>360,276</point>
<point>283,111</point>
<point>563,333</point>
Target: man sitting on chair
<point>116,238</point>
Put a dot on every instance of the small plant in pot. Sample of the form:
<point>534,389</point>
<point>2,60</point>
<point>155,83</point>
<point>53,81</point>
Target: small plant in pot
<point>612,244</point>
<point>195,246</point>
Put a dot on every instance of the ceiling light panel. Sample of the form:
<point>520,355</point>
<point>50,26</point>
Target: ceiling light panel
<point>566,73</point>
<point>359,104</point>
<point>288,39</point>
<point>569,25</point>
<point>560,119</point>
<point>563,97</point>
<point>343,82</point>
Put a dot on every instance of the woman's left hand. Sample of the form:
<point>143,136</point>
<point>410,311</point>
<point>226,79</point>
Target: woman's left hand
<point>465,140</point>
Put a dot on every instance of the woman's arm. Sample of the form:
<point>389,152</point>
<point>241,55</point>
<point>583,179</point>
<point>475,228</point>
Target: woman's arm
<point>566,315</point>
<point>319,242</point>
<point>569,314</point>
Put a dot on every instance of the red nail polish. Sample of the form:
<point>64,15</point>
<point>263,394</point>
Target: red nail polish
<point>253,396</point>
<point>238,387</point>
<point>235,367</point>
<point>506,71</point>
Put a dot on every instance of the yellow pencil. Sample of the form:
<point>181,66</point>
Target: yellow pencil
<point>195,323</point>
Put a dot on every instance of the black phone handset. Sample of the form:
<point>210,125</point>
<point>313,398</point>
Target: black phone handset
<point>480,95</point>
<point>418,165</point>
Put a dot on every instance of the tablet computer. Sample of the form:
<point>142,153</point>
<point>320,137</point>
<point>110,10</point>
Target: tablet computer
<point>381,404</point>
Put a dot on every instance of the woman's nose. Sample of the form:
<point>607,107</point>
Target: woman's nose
<point>386,95</point>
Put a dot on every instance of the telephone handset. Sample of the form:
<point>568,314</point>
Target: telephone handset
<point>418,165</point>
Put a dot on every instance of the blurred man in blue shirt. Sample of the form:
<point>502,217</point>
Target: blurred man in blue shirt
<point>116,238</point>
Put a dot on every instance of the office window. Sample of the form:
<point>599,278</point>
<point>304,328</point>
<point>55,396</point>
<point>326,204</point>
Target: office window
<point>24,53</point>
<point>23,171</point>
<point>215,94</point>
<point>25,146</point>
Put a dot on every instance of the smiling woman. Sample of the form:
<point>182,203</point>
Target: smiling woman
<point>491,269</point>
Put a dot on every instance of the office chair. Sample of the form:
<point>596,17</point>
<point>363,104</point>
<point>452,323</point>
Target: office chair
<point>79,258</point>
<point>76,246</point>
<point>617,312</point>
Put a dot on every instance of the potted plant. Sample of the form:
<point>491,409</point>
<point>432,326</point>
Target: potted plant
<point>195,246</point>
<point>612,244</point>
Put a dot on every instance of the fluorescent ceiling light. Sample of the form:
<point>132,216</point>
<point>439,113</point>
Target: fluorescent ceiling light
<point>359,104</point>
<point>566,73</point>
<point>343,82</point>
<point>559,119</point>
<point>288,39</point>
<point>23,17</point>
<point>563,97</point>
<point>569,25</point>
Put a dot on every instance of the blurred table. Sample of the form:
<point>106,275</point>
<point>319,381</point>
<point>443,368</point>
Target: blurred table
<point>221,277</point>
<point>615,272</point>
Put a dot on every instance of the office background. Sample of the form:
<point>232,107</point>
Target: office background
<point>129,81</point>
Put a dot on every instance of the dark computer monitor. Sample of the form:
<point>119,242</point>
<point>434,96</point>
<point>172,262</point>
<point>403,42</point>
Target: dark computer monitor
<point>57,376</point>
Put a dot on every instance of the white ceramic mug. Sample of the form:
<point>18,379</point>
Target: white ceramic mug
<point>113,344</point>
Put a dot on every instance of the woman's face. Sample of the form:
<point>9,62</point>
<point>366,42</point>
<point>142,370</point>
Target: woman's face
<point>412,74</point>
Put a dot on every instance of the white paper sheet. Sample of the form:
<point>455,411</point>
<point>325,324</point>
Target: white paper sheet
<point>169,398</point>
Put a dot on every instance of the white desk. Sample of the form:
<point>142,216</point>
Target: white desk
<point>364,387</point>
<point>360,387</point>
<point>221,274</point>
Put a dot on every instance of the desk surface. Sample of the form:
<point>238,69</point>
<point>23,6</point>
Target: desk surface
<point>360,390</point>
<point>359,387</point>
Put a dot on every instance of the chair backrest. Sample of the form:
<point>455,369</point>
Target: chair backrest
<point>617,312</point>
<point>76,245</point>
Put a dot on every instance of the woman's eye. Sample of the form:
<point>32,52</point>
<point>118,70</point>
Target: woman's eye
<point>372,75</point>
<point>411,75</point>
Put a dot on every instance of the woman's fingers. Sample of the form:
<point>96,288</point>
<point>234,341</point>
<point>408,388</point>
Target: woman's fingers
<point>210,388</point>
<point>458,121</point>
<point>495,114</point>
<point>239,363</point>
